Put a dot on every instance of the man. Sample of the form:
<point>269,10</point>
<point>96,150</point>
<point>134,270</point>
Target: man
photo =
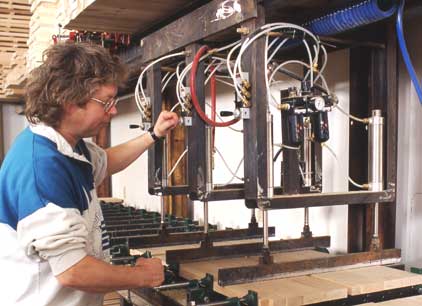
<point>51,226</point>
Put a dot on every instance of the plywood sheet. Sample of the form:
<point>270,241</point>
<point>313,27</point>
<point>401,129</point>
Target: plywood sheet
<point>371,279</point>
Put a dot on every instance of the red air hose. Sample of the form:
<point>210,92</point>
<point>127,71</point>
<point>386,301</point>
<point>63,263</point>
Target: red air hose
<point>195,102</point>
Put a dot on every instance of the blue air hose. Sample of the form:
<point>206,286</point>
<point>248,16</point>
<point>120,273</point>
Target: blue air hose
<point>405,53</point>
<point>366,12</point>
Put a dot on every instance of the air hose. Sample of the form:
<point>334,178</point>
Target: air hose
<point>363,13</point>
<point>366,12</point>
<point>195,101</point>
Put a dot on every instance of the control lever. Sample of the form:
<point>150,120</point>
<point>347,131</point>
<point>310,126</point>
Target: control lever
<point>226,113</point>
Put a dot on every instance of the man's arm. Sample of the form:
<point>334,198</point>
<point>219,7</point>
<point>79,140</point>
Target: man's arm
<point>121,156</point>
<point>95,276</point>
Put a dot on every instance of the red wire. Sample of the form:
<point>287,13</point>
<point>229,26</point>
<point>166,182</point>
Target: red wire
<point>198,108</point>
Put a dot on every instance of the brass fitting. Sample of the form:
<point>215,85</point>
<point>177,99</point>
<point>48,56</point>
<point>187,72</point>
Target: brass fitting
<point>274,34</point>
<point>283,106</point>
<point>245,92</point>
<point>246,84</point>
<point>243,30</point>
<point>246,103</point>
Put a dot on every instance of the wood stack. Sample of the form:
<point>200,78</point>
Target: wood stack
<point>14,31</point>
<point>43,26</point>
<point>16,76</point>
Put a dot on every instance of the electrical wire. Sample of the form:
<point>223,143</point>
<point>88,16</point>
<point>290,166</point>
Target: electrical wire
<point>325,145</point>
<point>236,171</point>
<point>234,174</point>
<point>167,81</point>
<point>286,146</point>
<point>224,82</point>
<point>262,31</point>
<point>356,184</point>
<point>364,121</point>
<point>177,162</point>
<point>139,87</point>
<point>277,155</point>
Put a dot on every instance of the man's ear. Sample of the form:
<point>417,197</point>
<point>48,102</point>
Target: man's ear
<point>70,108</point>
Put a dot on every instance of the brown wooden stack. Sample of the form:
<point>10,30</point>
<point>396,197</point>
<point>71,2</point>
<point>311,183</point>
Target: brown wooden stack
<point>14,31</point>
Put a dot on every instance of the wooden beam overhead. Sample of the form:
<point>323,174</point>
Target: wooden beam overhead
<point>138,16</point>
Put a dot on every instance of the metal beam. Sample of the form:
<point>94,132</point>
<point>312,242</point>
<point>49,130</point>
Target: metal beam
<point>148,241</point>
<point>248,274</point>
<point>155,153</point>
<point>245,249</point>
<point>327,199</point>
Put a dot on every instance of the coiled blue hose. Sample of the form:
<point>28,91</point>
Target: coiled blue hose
<point>357,15</point>
<point>405,53</point>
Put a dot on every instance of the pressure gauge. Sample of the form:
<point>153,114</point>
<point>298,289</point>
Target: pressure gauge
<point>319,103</point>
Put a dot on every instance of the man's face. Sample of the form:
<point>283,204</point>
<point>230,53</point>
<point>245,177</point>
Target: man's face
<point>95,114</point>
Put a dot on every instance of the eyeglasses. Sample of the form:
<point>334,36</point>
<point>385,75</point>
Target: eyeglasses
<point>107,105</point>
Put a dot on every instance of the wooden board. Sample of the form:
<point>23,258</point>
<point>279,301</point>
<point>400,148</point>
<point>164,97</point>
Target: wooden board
<point>284,292</point>
<point>409,301</point>
<point>106,15</point>
<point>111,200</point>
<point>111,299</point>
<point>371,279</point>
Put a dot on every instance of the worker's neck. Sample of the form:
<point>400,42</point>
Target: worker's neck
<point>70,137</point>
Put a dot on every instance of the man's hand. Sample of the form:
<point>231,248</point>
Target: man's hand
<point>165,123</point>
<point>152,271</point>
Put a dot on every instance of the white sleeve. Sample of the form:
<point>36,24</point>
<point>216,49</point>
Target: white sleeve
<point>98,161</point>
<point>55,234</point>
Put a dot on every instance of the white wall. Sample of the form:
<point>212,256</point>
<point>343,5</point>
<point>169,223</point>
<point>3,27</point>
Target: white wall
<point>409,188</point>
<point>131,184</point>
<point>289,223</point>
<point>13,124</point>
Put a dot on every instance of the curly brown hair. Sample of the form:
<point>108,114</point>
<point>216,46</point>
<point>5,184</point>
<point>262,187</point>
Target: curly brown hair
<point>70,73</point>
